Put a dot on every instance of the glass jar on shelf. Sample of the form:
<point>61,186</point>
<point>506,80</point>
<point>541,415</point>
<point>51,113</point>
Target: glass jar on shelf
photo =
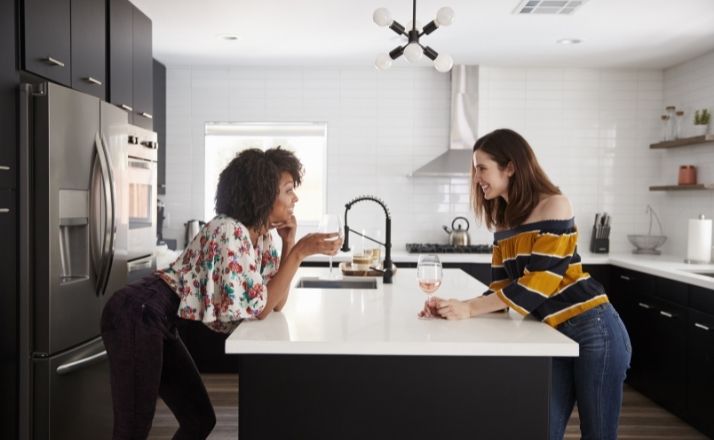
<point>671,115</point>
<point>679,117</point>
<point>666,132</point>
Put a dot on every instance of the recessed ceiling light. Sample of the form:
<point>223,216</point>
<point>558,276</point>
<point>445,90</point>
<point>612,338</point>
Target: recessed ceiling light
<point>569,41</point>
<point>228,37</point>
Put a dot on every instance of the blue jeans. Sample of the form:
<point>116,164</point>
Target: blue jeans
<point>594,379</point>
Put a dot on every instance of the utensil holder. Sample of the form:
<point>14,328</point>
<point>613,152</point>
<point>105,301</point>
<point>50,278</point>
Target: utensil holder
<point>599,245</point>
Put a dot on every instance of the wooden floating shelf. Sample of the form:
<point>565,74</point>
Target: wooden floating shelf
<point>703,139</point>
<point>701,186</point>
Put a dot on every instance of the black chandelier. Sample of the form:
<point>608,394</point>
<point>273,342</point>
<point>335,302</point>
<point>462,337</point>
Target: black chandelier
<point>413,50</point>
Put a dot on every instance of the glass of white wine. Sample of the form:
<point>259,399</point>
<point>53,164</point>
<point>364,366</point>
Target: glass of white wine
<point>429,274</point>
<point>330,223</point>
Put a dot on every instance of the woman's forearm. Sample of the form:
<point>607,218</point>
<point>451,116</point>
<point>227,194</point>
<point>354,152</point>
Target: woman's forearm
<point>485,304</point>
<point>279,285</point>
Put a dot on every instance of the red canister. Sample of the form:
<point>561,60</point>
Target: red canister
<point>687,175</point>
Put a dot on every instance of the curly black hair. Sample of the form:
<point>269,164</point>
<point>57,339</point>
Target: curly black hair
<point>248,186</point>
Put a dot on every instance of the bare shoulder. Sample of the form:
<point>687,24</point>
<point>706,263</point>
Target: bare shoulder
<point>555,207</point>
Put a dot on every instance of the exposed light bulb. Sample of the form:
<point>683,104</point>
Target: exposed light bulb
<point>443,62</point>
<point>382,17</point>
<point>413,52</point>
<point>383,61</point>
<point>445,16</point>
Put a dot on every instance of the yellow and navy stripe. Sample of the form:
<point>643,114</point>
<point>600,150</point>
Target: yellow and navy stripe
<point>536,270</point>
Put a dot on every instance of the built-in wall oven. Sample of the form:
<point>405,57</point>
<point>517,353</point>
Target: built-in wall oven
<point>141,198</point>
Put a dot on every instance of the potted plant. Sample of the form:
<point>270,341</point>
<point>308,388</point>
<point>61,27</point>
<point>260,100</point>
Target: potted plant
<point>701,121</point>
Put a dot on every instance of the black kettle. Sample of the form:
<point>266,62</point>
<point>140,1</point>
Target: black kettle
<point>457,235</point>
<point>192,228</point>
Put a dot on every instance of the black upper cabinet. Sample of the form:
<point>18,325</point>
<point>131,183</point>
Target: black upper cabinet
<point>143,71</point>
<point>121,18</point>
<point>160,122</point>
<point>8,96</point>
<point>130,61</point>
<point>46,47</point>
<point>89,30</point>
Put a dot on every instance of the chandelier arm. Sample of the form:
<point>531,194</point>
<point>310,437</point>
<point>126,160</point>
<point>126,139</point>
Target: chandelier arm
<point>429,28</point>
<point>398,28</point>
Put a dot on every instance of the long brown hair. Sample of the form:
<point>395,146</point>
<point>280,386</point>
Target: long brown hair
<point>525,187</point>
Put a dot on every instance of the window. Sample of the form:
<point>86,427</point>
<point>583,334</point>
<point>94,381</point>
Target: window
<point>307,140</point>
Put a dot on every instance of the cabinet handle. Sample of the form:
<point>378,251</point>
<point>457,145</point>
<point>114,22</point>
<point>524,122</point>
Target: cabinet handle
<point>127,108</point>
<point>4,168</point>
<point>147,115</point>
<point>701,326</point>
<point>54,62</point>
<point>625,277</point>
<point>666,314</point>
<point>4,210</point>
<point>92,80</point>
<point>644,306</point>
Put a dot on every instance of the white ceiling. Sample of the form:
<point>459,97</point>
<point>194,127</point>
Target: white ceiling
<point>615,33</point>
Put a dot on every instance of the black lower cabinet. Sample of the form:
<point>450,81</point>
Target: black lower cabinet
<point>669,357</point>
<point>700,372</point>
<point>207,347</point>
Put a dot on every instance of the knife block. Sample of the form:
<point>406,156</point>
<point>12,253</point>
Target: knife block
<point>599,245</point>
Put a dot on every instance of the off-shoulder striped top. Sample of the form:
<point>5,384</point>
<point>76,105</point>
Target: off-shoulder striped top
<point>536,270</point>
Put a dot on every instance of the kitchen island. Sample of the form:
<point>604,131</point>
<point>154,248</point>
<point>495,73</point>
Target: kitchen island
<point>348,363</point>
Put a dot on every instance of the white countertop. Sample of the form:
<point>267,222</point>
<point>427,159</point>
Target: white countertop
<point>384,322</point>
<point>665,266</point>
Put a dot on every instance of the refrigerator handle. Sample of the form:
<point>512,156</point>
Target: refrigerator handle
<point>81,363</point>
<point>25,258</point>
<point>109,252</point>
<point>99,255</point>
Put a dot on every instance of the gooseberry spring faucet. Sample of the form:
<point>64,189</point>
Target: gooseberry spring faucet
<point>386,270</point>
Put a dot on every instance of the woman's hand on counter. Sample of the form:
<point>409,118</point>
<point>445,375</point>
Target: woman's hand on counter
<point>453,309</point>
<point>430,309</point>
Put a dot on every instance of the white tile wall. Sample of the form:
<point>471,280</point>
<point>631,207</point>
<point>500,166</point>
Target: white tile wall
<point>591,129</point>
<point>687,86</point>
<point>381,126</point>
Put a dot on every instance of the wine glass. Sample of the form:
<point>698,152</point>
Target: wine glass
<point>330,223</point>
<point>429,274</point>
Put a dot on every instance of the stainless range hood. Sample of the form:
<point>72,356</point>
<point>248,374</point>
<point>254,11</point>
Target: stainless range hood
<point>456,161</point>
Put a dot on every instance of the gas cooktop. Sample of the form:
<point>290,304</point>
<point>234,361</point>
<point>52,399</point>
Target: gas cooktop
<point>436,248</point>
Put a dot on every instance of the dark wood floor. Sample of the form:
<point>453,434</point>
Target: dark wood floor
<point>640,418</point>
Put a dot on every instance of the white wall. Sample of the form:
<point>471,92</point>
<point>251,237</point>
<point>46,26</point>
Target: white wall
<point>591,131</point>
<point>687,86</point>
<point>380,126</point>
<point>590,128</point>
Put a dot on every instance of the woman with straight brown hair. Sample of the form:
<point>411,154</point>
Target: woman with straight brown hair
<point>537,271</point>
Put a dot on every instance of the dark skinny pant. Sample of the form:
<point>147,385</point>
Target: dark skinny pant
<point>148,359</point>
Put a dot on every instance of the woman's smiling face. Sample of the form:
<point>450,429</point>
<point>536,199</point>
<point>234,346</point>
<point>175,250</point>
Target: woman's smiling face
<point>491,178</point>
<point>285,202</point>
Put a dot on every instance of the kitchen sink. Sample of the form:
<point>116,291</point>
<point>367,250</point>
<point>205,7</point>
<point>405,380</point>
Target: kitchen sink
<point>317,283</point>
<point>706,274</point>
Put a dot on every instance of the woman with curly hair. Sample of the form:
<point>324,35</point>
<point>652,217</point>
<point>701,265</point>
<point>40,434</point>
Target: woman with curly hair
<point>229,272</point>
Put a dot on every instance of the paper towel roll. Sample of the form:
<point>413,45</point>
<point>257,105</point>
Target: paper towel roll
<point>699,240</point>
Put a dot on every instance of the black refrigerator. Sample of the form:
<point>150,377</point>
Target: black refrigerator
<point>73,256</point>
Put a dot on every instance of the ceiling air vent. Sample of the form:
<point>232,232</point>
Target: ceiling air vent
<point>551,7</point>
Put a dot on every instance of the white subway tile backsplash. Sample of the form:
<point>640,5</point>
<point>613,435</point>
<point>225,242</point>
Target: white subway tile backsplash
<point>590,128</point>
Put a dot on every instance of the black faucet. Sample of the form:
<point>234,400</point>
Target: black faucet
<point>387,271</point>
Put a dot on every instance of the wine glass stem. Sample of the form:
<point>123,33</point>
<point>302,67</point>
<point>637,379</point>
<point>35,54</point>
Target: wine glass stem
<point>330,265</point>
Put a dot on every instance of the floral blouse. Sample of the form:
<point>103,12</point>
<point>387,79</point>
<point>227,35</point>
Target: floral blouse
<point>221,277</point>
